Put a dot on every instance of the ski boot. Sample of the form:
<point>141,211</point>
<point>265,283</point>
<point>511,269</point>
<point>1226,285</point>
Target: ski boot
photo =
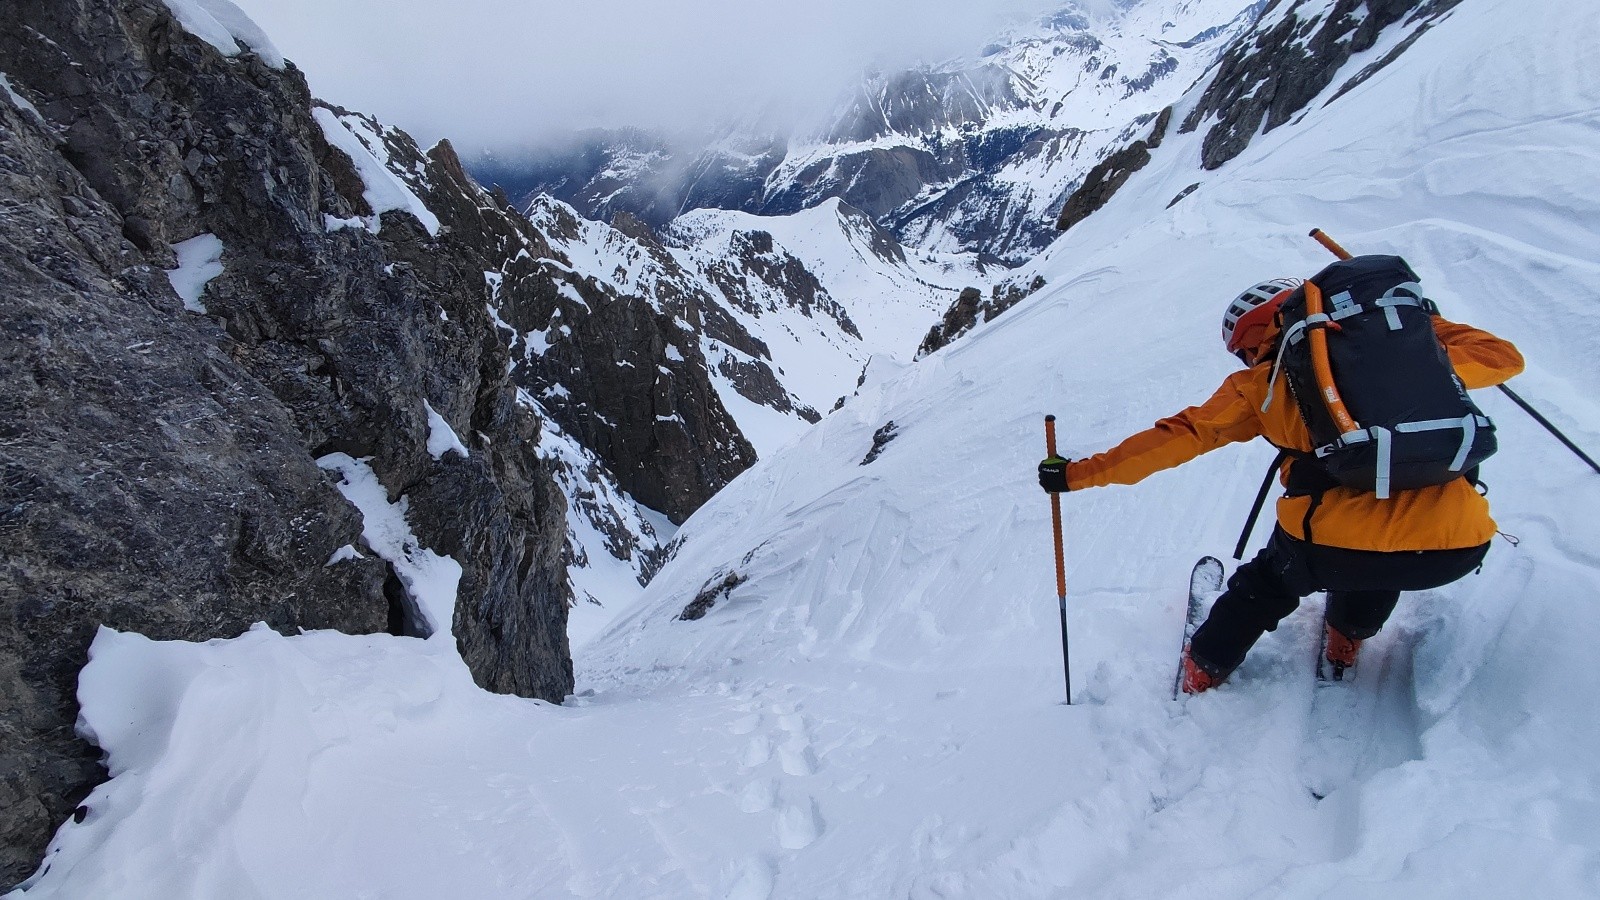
<point>1197,676</point>
<point>1340,652</point>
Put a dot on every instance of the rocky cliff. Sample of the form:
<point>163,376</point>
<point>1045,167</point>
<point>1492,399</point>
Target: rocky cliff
<point>1291,55</point>
<point>213,282</point>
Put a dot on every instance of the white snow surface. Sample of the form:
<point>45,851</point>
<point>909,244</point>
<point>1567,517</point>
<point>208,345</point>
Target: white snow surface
<point>199,261</point>
<point>442,438</point>
<point>382,188</point>
<point>225,26</point>
<point>876,710</point>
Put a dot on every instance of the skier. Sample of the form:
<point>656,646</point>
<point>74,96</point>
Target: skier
<point>1360,548</point>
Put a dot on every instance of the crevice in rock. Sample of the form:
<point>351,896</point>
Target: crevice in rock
<point>405,616</point>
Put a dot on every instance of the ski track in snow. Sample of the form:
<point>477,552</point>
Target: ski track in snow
<point>877,710</point>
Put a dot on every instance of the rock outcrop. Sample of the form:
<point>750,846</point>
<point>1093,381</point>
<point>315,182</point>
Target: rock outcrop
<point>1110,174</point>
<point>158,453</point>
<point>1290,57</point>
<point>972,309</point>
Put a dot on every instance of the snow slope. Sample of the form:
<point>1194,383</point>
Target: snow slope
<point>893,294</point>
<point>874,711</point>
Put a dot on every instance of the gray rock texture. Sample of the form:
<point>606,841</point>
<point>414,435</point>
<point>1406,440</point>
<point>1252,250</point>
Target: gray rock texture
<point>1110,174</point>
<point>157,466</point>
<point>1292,55</point>
<point>972,309</point>
<point>622,372</point>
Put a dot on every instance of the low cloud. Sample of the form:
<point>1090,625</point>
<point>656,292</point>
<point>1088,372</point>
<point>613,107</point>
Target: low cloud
<point>492,73</point>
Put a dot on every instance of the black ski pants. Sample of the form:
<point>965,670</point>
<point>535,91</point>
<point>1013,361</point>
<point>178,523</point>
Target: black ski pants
<point>1363,587</point>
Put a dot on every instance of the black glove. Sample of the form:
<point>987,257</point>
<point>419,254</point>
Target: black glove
<point>1053,475</point>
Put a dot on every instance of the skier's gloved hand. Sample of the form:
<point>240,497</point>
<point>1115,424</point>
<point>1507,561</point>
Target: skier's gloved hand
<point>1053,475</point>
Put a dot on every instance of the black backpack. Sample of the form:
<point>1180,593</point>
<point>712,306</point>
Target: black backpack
<point>1416,425</point>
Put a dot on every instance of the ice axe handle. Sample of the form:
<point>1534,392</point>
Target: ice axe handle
<point>1322,238</point>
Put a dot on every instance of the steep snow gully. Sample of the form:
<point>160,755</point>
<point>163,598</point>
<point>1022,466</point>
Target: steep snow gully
<point>874,711</point>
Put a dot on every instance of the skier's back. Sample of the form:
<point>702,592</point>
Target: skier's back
<point>1362,549</point>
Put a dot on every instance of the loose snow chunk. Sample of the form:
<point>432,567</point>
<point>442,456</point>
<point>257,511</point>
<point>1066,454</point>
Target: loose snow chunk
<point>199,261</point>
<point>430,579</point>
<point>383,189</point>
<point>343,554</point>
<point>225,26</point>
<point>20,101</point>
<point>442,438</point>
<point>674,354</point>
<point>334,223</point>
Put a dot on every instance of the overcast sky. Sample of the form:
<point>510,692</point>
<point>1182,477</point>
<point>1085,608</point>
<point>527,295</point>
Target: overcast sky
<point>500,72</point>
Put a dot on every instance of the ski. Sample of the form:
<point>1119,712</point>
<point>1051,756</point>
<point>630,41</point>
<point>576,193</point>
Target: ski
<point>1322,654</point>
<point>1205,581</point>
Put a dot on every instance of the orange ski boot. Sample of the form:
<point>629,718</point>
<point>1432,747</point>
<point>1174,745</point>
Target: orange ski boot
<point>1341,652</point>
<point>1196,678</point>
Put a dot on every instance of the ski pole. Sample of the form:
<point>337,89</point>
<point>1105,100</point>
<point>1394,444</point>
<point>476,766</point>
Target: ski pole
<point>1528,408</point>
<point>1255,509</point>
<point>1333,247</point>
<point>1061,561</point>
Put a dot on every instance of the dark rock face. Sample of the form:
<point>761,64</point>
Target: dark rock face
<point>1292,55</point>
<point>716,589</point>
<point>880,442</point>
<point>622,372</point>
<point>1102,183</point>
<point>1110,174</point>
<point>649,413</point>
<point>971,309</point>
<point>958,320</point>
<point>157,466</point>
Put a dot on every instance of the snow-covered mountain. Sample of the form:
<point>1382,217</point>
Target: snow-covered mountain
<point>787,310</point>
<point>846,680</point>
<point>846,683</point>
<point>973,155</point>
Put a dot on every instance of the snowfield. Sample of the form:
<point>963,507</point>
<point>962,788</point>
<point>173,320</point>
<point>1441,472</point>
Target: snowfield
<point>875,709</point>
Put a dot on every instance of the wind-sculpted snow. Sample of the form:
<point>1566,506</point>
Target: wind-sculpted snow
<point>872,707</point>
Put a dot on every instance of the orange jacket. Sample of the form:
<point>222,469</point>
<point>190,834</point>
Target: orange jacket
<point>1449,516</point>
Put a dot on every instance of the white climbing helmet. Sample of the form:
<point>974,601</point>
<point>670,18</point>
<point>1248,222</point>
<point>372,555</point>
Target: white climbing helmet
<point>1259,296</point>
